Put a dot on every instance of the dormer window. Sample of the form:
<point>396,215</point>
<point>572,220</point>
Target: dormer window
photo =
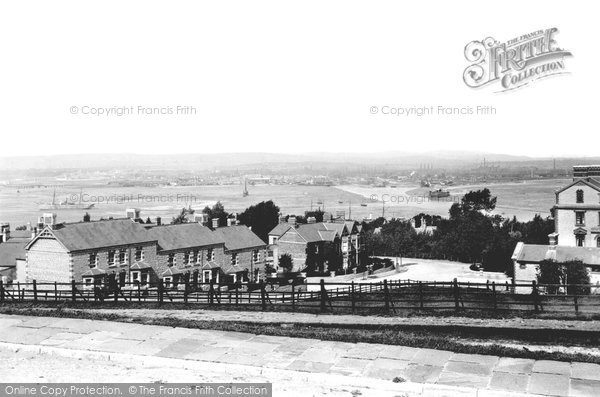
<point>579,196</point>
<point>171,260</point>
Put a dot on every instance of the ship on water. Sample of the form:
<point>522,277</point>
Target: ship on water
<point>439,193</point>
<point>245,192</point>
<point>66,204</point>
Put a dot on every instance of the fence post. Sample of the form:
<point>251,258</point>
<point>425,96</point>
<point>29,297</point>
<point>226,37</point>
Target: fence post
<point>73,290</point>
<point>495,297</point>
<point>185,290</point>
<point>576,304</point>
<point>35,297</point>
<point>160,292</point>
<point>420,295</point>
<point>386,294</point>
<point>456,305</point>
<point>263,296</point>
<point>55,291</point>
<point>1,291</point>
<point>534,293</point>
<point>293,299</point>
<point>352,298</point>
<point>211,293</point>
<point>323,295</point>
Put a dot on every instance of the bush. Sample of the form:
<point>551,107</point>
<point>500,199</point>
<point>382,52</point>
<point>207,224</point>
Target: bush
<point>286,262</point>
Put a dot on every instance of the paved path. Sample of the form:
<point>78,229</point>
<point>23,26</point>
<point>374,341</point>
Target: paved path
<point>426,371</point>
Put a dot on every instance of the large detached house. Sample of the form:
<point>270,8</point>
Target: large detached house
<point>311,243</point>
<point>577,229</point>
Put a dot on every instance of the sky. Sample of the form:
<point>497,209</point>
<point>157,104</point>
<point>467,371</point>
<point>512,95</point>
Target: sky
<point>274,76</point>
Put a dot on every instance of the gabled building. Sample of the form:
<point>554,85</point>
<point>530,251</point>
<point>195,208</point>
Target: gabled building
<point>246,253</point>
<point>314,244</point>
<point>187,251</point>
<point>577,229</point>
<point>127,251</point>
<point>88,251</point>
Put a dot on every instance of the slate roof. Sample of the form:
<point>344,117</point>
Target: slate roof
<point>185,235</point>
<point>239,237</point>
<point>534,253</point>
<point>82,236</point>
<point>321,231</point>
<point>12,250</point>
<point>280,229</point>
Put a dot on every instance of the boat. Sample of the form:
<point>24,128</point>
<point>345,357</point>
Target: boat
<point>65,204</point>
<point>439,193</point>
<point>245,192</point>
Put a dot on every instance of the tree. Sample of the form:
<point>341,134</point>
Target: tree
<point>181,217</point>
<point>577,277</point>
<point>478,200</point>
<point>286,262</point>
<point>262,217</point>
<point>87,217</point>
<point>217,212</point>
<point>551,273</point>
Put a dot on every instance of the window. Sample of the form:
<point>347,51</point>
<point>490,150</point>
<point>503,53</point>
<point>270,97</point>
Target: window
<point>139,254</point>
<point>171,261</point>
<point>93,260</point>
<point>580,218</point>
<point>111,258</point>
<point>579,196</point>
<point>206,276</point>
<point>234,259</point>
<point>88,281</point>
<point>135,277</point>
<point>194,258</point>
<point>122,257</point>
<point>344,245</point>
<point>580,240</point>
<point>210,255</point>
<point>256,256</point>
<point>198,257</point>
<point>168,281</point>
<point>186,257</point>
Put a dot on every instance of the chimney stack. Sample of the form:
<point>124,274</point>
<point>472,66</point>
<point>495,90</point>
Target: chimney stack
<point>132,213</point>
<point>4,232</point>
<point>158,221</point>
<point>230,221</point>
<point>553,239</point>
<point>33,232</point>
<point>292,220</point>
<point>281,218</point>
<point>215,223</point>
<point>47,219</point>
<point>311,219</point>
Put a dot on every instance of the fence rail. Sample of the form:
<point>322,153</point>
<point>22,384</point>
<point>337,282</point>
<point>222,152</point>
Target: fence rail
<point>354,297</point>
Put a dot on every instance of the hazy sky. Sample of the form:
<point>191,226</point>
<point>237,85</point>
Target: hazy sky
<point>285,76</point>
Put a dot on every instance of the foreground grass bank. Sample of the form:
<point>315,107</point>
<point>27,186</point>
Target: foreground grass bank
<point>499,341</point>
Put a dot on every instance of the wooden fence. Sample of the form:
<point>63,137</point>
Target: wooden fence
<point>385,297</point>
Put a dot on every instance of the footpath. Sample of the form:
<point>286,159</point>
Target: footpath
<point>347,368</point>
